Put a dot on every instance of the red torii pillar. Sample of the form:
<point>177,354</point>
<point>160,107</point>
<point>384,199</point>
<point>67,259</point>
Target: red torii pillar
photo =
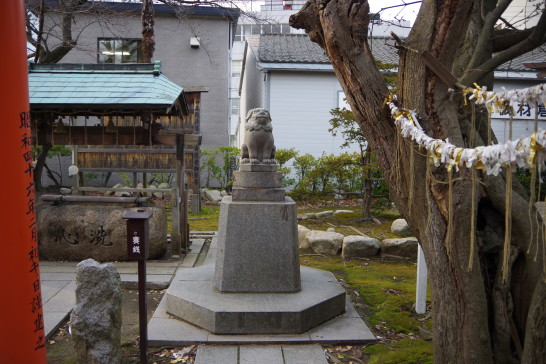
<point>22,335</point>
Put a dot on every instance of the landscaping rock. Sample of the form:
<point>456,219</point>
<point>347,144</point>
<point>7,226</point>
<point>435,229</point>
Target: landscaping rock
<point>358,246</point>
<point>95,321</point>
<point>213,195</point>
<point>224,193</point>
<point>331,230</point>
<point>323,213</point>
<point>401,227</point>
<point>323,242</point>
<point>343,212</point>
<point>77,232</point>
<point>164,185</point>
<point>403,247</point>
<point>65,191</point>
<point>151,194</point>
<point>159,195</point>
<point>302,237</point>
<point>123,193</point>
<point>110,193</point>
<point>307,216</point>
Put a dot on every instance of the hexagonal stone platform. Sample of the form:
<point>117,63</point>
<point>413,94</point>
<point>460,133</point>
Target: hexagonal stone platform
<point>192,298</point>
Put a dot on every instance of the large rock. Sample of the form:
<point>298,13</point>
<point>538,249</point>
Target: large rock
<point>302,237</point>
<point>96,319</point>
<point>213,196</point>
<point>403,247</point>
<point>75,232</point>
<point>164,185</point>
<point>151,194</point>
<point>358,246</point>
<point>323,242</point>
<point>401,227</point>
<point>123,193</point>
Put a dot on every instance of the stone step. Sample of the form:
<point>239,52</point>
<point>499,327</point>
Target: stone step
<point>254,354</point>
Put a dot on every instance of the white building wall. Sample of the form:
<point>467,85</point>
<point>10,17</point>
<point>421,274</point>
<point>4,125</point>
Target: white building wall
<point>300,105</point>
<point>523,122</point>
<point>252,92</point>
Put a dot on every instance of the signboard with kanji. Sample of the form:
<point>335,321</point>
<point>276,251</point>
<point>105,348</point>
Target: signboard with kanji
<point>138,234</point>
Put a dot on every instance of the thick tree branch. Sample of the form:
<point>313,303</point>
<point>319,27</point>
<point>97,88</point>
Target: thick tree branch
<point>535,39</point>
<point>506,38</point>
<point>486,34</point>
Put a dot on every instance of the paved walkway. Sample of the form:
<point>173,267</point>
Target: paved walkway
<point>58,295</point>
<point>258,354</point>
<point>59,282</point>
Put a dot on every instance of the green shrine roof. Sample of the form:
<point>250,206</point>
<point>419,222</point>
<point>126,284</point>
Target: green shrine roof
<point>103,87</point>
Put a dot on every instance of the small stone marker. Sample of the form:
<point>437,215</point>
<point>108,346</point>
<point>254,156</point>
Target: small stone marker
<point>95,321</point>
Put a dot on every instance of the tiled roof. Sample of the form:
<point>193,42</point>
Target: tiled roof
<point>94,87</point>
<point>537,55</point>
<point>297,48</point>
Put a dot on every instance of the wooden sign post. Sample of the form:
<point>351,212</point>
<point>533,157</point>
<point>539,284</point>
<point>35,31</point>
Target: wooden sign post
<point>138,248</point>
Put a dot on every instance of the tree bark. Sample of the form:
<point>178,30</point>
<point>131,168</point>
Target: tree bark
<point>148,42</point>
<point>39,167</point>
<point>474,314</point>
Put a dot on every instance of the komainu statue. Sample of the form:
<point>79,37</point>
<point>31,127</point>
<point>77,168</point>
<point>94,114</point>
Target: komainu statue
<point>258,146</point>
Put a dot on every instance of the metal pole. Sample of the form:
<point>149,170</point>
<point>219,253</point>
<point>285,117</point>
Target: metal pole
<point>22,333</point>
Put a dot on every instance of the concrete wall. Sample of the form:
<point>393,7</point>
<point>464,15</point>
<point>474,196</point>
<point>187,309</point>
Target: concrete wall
<point>206,66</point>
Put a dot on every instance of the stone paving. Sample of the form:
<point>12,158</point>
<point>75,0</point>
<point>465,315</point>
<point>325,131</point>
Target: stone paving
<point>58,295</point>
<point>59,282</point>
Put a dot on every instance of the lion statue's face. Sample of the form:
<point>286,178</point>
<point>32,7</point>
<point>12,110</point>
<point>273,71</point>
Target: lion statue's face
<point>259,116</point>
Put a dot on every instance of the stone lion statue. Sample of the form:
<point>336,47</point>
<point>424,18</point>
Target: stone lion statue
<point>258,144</point>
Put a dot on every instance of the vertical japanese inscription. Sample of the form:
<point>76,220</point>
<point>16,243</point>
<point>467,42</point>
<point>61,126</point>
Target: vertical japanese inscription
<point>35,304</point>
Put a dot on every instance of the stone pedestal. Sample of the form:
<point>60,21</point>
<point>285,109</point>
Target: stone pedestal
<point>256,286</point>
<point>257,247</point>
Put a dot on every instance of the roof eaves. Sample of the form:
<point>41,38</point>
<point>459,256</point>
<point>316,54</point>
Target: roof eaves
<point>312,67</point>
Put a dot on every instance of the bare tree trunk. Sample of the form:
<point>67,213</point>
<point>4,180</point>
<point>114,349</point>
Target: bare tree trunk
<point>39,167</point>
<point>148,42</point>
<point>476,313</point>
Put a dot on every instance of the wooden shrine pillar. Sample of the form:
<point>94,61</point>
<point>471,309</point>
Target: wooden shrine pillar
<point>22,333</point>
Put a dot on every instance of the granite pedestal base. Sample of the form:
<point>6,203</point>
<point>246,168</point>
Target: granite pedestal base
<point>257,247</point>
<point>192,298</point>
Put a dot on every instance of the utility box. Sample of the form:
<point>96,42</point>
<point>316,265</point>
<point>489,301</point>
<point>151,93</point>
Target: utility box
<point>138,234</point>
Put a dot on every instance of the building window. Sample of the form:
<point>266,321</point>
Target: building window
<point>119,50</point>
<point>235,106</point>
<point>236,68</point>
